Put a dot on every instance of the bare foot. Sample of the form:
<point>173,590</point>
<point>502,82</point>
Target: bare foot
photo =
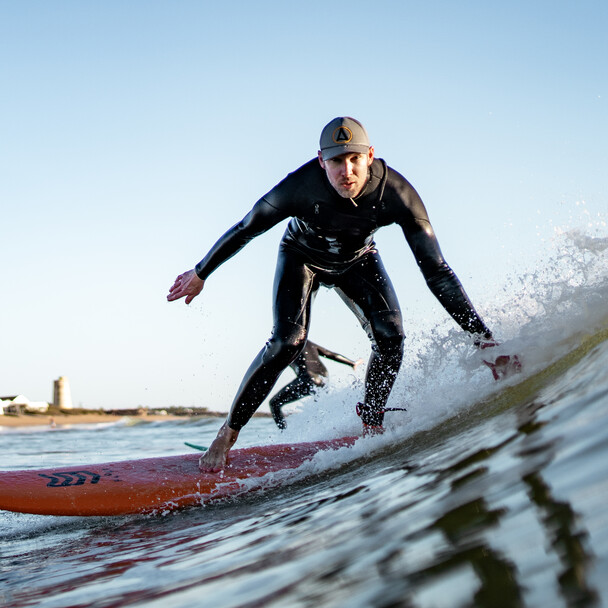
<point>371,431</point>
<point>214,459</point>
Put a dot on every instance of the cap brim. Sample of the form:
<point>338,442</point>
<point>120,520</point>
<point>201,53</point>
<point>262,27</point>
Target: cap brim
<point>334,151</point>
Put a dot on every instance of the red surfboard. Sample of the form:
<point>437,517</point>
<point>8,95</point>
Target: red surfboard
<point>149,484</point>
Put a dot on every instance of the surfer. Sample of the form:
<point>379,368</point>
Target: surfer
<point>336,203</point>
<point>311,374</point>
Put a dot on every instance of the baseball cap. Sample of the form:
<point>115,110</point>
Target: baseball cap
<point>341,135</point>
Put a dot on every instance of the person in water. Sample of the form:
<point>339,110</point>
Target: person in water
<point>336,203</point>
<point>311,374</point>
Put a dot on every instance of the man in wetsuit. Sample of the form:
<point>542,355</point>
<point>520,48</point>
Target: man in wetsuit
<point>337,202</point>
<point>311,374</point>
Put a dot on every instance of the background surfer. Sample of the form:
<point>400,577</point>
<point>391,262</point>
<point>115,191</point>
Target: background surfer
<point>337,202</point>
<point>311,374</point>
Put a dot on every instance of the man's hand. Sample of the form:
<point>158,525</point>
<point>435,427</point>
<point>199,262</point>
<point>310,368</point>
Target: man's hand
<point>504,365</point>
<point>187,284</point>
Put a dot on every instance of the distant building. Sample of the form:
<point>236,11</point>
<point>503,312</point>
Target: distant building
<point>62,397</point>
<point>19,404</point>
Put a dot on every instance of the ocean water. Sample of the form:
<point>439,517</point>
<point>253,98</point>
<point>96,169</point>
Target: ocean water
<point>482,494</point>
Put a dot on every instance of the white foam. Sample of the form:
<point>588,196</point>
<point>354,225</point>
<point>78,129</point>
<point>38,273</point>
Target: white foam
<point>538,312</point>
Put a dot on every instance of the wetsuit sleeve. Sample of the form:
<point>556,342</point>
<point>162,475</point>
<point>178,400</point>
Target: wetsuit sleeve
<point>328,354</point>
<point>441,279</point>
<point>261,218</point>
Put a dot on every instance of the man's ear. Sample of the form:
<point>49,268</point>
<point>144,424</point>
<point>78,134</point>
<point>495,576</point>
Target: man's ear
<point>320,157</point>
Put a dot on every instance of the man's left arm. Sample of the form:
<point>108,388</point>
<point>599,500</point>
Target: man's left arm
<point>408,210</point>
<point>447,288</point>
<point>442,280</point>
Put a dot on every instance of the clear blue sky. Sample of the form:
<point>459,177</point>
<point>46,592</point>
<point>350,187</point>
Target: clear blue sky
<point>134,133</point>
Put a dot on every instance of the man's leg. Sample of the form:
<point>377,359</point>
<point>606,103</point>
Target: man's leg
<point>369,293</point>
<point>383,366</point>
<point>294,287</point>
<point>277,354</point>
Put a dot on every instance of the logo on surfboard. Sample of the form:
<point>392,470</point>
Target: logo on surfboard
<point>74,478</point>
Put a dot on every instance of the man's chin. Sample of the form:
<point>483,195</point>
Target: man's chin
<point>346,192</point>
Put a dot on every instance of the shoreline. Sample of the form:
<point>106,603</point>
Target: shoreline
<point>63,419</point>
<point>58,420</point>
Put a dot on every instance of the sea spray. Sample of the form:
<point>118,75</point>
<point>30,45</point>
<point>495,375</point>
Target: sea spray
<point>540,312</point>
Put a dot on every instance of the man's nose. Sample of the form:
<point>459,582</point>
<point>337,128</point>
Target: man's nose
<point>347,168</point>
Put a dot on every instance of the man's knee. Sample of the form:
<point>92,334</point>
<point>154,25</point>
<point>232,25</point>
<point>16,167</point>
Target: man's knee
<point>285,344</point>
<point>387,329</point>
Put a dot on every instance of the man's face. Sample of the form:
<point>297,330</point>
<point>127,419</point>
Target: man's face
<point>347,173</point>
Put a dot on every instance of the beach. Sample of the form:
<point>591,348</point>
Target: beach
<point>24,420</point>
<point>61,419</point>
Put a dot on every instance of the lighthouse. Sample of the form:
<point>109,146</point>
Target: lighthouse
<point>62,397</point>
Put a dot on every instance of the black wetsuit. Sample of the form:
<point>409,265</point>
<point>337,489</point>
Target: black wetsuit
<point>330,242</point>
<point>311,373</point>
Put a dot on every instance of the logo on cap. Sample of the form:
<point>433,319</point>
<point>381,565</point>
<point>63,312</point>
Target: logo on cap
<point>342,135</point>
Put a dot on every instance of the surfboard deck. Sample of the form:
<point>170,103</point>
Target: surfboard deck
<point>149,484</point>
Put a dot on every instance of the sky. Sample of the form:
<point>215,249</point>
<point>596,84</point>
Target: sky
<point>133,134</point>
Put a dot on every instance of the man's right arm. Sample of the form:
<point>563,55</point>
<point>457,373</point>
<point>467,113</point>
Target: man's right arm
<point>187,285</point>
<point>275,206</point>
<point>261,218</point>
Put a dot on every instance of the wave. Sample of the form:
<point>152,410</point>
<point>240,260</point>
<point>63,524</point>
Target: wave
<point>549,315</point>
<point>491,489</point>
